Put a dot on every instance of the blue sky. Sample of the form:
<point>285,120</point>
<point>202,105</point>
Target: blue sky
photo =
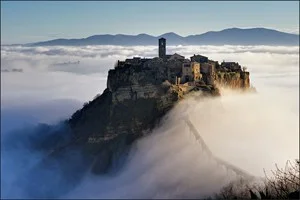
<point>23,22</point>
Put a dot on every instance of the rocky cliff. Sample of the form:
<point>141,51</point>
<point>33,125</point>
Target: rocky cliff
<point>99,135</point>
<point>135,100</point>
<point>234,80</point>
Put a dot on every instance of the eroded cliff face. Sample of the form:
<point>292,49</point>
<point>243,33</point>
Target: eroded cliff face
<point>132,100</point>
<point>233,80</point>
<point>133,103</point>
<point>135,100</point>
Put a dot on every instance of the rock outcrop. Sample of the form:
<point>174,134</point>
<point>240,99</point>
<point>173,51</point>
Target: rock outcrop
<point>234,80</point>
<point>139,93</point>
<point>135,100</point>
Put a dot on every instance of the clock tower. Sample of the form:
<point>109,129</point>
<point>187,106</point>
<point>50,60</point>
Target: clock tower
<point>162,47</point>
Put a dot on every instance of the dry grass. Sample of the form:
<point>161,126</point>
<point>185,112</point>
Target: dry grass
<point>282,184</point>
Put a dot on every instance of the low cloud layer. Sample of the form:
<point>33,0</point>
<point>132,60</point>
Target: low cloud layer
<point>97,59</point>
<point>251,131</point>
<point>245,130</point>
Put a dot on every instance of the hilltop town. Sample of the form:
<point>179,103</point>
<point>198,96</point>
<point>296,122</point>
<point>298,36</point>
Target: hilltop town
<point>187,74</point>
<point>140,91</point>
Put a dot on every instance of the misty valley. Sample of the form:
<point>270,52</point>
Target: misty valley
<point>201,147</point>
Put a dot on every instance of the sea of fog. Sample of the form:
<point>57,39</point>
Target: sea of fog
<point>251,131</point>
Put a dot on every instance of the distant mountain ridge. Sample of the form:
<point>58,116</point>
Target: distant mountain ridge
<point>231,36</point>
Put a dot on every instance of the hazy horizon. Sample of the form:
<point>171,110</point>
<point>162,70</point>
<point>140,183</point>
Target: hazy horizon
<point>83,19</point>
<point>296,33</point>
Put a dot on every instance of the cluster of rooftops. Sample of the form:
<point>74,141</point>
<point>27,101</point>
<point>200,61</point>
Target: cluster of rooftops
<point>188,69</point>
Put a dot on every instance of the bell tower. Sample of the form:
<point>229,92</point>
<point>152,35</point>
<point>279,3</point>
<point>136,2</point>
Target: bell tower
<point>162,47</point>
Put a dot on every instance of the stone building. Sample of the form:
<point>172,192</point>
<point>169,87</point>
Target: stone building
<point>162,47</point>
<point>196,71</point>
<point>174,69</point>
<point>215,64</point>
<point>176,56</point>
<point>162,51</point>
<point>206,68</point>
<point>199,58</point>
<point>208,73</point>
<point>190,71</point>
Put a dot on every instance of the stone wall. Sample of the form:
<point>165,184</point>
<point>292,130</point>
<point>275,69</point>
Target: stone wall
<point>207,68</point>
<point>196,71</point>
<point>174,68</point>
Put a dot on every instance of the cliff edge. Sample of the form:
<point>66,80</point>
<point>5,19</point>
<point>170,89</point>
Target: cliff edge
<point>139,92</point>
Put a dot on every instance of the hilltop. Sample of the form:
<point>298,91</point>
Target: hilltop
<point>139,93</point>
<point>232,36</point>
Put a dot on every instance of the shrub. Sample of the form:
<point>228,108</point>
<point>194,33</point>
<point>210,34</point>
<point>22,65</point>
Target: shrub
<point>284,184</point>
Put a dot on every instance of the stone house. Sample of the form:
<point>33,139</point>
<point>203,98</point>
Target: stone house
<point>214,63</point>
<point>196,71</point>
<point>199,58</point>
<point>206,68</point>
<point>176,56</point>
<point>190,71</point>
<point>174,69</point>
<point>208,73</point>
